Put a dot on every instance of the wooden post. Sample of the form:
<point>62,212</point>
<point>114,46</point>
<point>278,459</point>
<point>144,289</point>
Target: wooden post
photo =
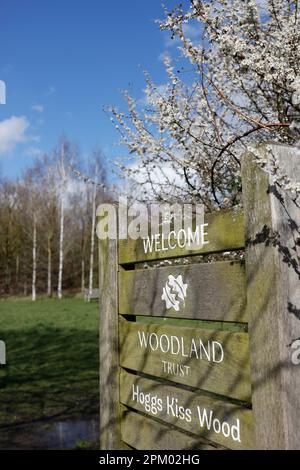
<point>272,222</point>
<point>109,355</point>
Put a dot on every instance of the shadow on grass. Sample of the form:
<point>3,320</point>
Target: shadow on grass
<point>51,373</point>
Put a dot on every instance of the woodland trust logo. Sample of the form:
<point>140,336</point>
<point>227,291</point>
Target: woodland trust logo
<point>174,292</point>
<point>2,92</point>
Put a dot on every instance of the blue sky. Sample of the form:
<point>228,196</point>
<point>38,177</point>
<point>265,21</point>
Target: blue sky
<point>62,61</point>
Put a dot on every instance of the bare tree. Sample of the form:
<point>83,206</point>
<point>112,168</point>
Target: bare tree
<point>29,199</point>
<point>92,241</point>
<point>33,295</point>
<point>62,216</point>
<point>97,169</point>
<point>47,226</point>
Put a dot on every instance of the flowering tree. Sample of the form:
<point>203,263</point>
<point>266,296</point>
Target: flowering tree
<point>237,82</point>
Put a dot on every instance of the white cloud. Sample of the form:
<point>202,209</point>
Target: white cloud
<point>12,131</point>
<point>39,108</point>
<point>34,138</point>
<point>51,90</point>
<point>34,152</point>
<point>2,92</point>
<point>159,176</point>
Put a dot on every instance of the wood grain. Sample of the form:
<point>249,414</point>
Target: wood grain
<point>238,417</point>
<point>110,433</point>
<point>144,433</point>
<point>231,377</point>
<point>272,224</point>
<point>215,291</point>
<point>225,232</point>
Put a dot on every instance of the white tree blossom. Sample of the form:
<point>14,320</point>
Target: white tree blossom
<point>235,83</point>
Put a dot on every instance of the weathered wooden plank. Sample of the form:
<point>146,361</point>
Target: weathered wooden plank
<point>216,420</point>
<point>110,433</point>
<point>215,291</point>
<point>272,266</point>
<point>225,232</point>
<point>144,433</point>
<point>217,361</point>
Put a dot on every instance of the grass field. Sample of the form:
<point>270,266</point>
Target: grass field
<point>52,360</point>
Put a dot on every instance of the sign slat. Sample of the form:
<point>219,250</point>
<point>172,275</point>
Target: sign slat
<point>216,361</point>
<point>225,231</point>
<point>214,291</point>
<point>144,433</point>
<point>224,423</point>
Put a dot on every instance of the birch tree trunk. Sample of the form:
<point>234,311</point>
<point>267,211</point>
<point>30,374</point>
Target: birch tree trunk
<point>83,257</point>
<point>82,276</point>
<point>34,259</point>
<point>49,268</point>
<point>17,272</point>
<point>61,249</point>
<point>92,243</point>
<point>61,237</point>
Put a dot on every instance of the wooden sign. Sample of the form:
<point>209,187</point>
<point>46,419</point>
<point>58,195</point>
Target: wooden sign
<point>198,354</point>
<point>226,231</point>
<point>140,291</point>
<point>216,361</point>
<point>219,421</point>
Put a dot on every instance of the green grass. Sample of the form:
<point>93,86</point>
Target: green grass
<point>52,360</point>
<point>87,445</point>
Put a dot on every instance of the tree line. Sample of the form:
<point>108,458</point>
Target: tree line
<point>47,224</point>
